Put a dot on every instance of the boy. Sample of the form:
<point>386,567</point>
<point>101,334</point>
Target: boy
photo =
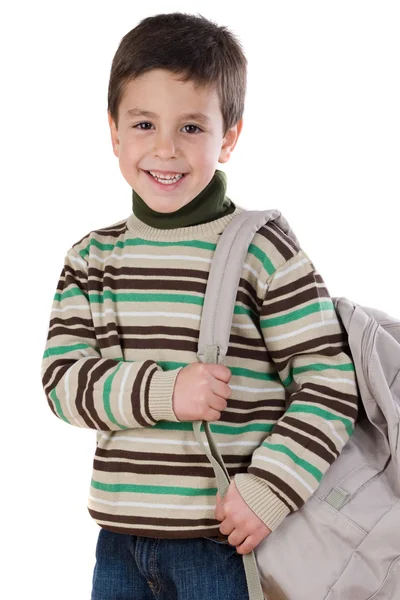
<point>121,352</point>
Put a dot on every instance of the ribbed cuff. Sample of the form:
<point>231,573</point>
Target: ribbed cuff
<point>263,502</point>
<point>160,395</point>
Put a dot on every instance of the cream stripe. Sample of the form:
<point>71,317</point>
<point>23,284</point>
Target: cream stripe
<point>243,388</point>
<point>333,379</point>
<point>67,393</point>
<point>169,315</point>
<point>134,439</point>
<point>70,307</point>
<point>335,433</point>
<point>285,468</point>
<point>250,268</point>
<point>153,505</point>
<point>291,268</point>
<point>77,259</point>
<point>122,392</point>
<point>298,331</point>
<point>188,257</point>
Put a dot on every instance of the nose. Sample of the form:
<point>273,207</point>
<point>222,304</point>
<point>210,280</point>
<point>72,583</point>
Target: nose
<point>164,145</point>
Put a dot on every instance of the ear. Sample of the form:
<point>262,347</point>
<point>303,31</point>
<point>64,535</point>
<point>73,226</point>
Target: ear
<point>229,142</point>
<point>114,134</point>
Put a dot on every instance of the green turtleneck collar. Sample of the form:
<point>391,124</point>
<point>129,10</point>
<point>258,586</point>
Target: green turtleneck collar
<point>211,203</point>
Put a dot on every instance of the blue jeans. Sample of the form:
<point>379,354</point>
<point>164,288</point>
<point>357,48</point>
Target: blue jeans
<point>130,567</point>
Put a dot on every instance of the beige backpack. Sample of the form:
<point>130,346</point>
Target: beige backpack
<point>344,542</point>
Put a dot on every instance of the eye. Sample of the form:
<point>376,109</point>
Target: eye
<point>142,123</point>
<point>195,126</point>
<point>147,123</point>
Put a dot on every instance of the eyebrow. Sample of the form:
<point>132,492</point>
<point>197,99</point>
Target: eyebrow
<point>139,112</point>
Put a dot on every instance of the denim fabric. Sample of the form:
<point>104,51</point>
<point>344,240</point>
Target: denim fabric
<point>130,567</point>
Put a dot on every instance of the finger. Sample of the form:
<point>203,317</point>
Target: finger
<point>227,528</point>
<point>246,545</point>
<point>219,512</point>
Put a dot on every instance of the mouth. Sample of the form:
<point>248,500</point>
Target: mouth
<point>167,185</point>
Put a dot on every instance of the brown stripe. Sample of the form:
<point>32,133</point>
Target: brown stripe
<point>343,409</point>
<point>161,521</point>
<point>143,375</point>
<point>169,343</point>
<point>246,301</point>
<point>182,534</point>
<point>73,276</point>
<point>337,338</point>
<point>161,285</point>
<point>62,365</point>
<point>246,285</point>
<point>173,470</point>
<point>87,383</point>
<point>45,379</point>
<point>281,485</point>
<point>251,417</point>
<point>311,430</point>
<point>273,308</point>
<point>322,389</point>
<point>81,333</point>
<point>294,286</point>
<point>285,237</point>
<point>305,442</point>
<point>149,272</point>
<point>165,457</point>
<point>86,236</point>
<point>114,230</point>
<point>268,233</point>
<point>330,351</point>
<point>247,406</point>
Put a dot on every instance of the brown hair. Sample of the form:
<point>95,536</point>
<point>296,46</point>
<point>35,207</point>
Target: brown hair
<point>191,46</point>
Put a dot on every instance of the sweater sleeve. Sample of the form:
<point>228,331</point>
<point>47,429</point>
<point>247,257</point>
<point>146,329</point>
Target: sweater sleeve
<point>308,347</point>
<point>81,387</point>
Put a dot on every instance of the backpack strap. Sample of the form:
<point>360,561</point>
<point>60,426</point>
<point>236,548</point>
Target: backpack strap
<point>216,322</point>
<point>226,269</point>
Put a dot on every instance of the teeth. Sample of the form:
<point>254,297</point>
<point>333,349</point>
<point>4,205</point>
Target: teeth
<point>167,178</point>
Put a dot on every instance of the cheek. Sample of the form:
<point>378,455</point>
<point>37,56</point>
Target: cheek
<point>129,154</point>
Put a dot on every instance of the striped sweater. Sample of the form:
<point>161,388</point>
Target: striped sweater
<point>125,320</point>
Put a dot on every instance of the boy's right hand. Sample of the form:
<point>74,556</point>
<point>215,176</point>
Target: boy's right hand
<point>201,391</point>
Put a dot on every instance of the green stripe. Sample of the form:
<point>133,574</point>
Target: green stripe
<point>75,291</point>
<point>187,426</point>
<point>316,367</point>
<point>173,298</point>
<point>57,405</point>
<point>262,257</point>
<point>297,314</point>
<point>242,372</point>
<point>133,297</point>
<point>239,371</point>
<point>310,409</point>
<point>296,459</point>
<point>64,349</point>
<point>107,396</point>
<point>153,489</point>
<point>141,242</point>
<point>203,245</point>
<point>146,297</point>
<point>243,310</point>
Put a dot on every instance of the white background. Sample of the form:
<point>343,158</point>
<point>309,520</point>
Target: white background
<point>320,142</point>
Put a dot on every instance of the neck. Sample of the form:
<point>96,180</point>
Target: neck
<point>210,204</point>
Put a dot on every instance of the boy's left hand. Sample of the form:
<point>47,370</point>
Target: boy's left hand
<point>244,528</point>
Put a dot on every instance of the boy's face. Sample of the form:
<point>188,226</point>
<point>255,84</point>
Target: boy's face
<point>168,141</point>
